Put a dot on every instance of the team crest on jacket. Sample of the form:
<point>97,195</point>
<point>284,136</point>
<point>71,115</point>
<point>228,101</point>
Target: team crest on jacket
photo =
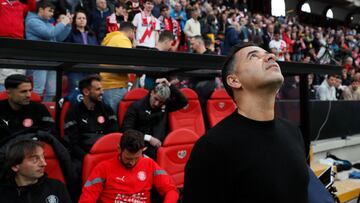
<point>28,122</point>
<point>141,175</point>
<point>181,154</point>
<point>52,199</point>
<point>101,119</point>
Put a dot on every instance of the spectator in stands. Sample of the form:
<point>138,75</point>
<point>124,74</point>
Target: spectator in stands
<point>165,42</point>
<point>18,114</point>
<point>80,34</point>
<point>178,13</point>
<point>278,47</point>
<point>25,180</point>
<point>115,84</point>
<point>90,119</point>
<point>149,115</point>
<point>156,11</point>
<point>352,92</point>
<point>115,19</point>
<point>98,19</point>
<point>326,90</point>
<point>252,78</point>
<point>192,27</point>
<point>12,15</point>
<point>38,27</point>
<point>170,24</point>
<point>128,176</point>
<point>147,27</point>
<point>268,36</point>
<point>232,37</point>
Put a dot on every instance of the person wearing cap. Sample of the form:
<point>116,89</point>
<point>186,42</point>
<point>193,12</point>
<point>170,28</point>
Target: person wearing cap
<point>251,155</point>
<point>18,114</point>
<point>128,176</point>
<point>147,27</point>
<point>149,115</point>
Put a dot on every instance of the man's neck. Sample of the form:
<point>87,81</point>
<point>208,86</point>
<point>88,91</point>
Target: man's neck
<point>22,181</point>
<point>15,107</point>
<point>147,13</point>
<point>201,50</point>
<point>89,104</point>
<point>259,107</point>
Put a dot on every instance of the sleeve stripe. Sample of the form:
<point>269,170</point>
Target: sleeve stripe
<point>47,119</point>
<point>159,172</point>
<point>94,181</point>
<point>69,124</point>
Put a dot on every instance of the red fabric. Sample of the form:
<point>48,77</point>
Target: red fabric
<point>65,108</point>
<point>288,41</point>
<point>12,15</point>
<point>175,152</point>
<point>219,106</point>
<point>111,182</point>
<point>189,117</point>
<point>52,168</point>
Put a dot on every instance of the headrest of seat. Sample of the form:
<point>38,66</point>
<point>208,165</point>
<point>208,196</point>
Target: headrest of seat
<point>189,93</point>
<point>136,94</point>
<point>34,97</point>
<point>179,137</point>
<point>220,94</point>
<point>107,143</point>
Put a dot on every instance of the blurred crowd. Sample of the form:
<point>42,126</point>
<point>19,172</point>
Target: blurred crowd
<point>220,24</point>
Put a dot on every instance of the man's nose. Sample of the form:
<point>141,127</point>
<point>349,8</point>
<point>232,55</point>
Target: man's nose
<point>270,56</point>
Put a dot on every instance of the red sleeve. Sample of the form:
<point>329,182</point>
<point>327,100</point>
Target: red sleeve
<point>165,185</point>
<point>31,6</point>
<point>94,184</point>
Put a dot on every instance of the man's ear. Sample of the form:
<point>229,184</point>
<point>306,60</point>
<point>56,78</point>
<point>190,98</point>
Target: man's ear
<point>233,81</point>
<point>15,168</point>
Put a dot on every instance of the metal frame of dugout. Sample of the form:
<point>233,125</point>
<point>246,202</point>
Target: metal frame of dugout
<point>26,54</point>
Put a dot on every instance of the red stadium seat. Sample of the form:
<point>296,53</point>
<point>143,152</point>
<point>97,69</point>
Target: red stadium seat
<point>52,168</point>
<point>51,107</point>
<point>219,105</point>
<point>129,98</point>
<point>34,97</point>
<point>104,148</point>
<point>65,108</point>
<point>190,116</point>
<point>174,153</point>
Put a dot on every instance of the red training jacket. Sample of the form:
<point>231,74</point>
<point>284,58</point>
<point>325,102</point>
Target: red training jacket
<point>111,182</point>
<point>12,15</point>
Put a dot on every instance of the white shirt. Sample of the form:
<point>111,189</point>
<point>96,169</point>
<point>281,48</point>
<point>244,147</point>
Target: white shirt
<point>280,46</point>
<point>192,28</point>
<point>149,41</point>
<point>325,92</point>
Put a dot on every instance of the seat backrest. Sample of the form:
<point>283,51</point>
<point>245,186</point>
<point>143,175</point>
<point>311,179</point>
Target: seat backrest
<point>129,98</point>
<point>219,106</point>
<point>104,148</point>
<point>52,168</point>
<point>65,108</point>
<point>51,107</point>
<point>34,97</point>
<point>190,116</point>
<point>174,153</point>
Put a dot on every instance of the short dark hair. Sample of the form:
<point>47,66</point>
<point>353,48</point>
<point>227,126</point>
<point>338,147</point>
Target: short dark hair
<point>164,7</point>
<point>126,26</point>
<point>44,4</point>
<point>132,140</point>
<point>13,81</point>
<point>199,38</point>
<point>86,81</point>
<point>166,35</point>
<point>119,4</point>
<point>17,151</point>
<point>230,63</point>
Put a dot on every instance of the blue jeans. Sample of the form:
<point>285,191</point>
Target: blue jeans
<point>2,87</point>
<point>45,80</point>
<point>112,97</point>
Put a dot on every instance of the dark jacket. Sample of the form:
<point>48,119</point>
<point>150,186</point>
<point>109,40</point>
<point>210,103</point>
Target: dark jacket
<point>232,37</point>
<point>30,118</point>
<point>60,151</point>
<point>83,127</point>
<point>75,37</point>
<point>140,116</point>
<point>46,190</point>
<point>98,23</point>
